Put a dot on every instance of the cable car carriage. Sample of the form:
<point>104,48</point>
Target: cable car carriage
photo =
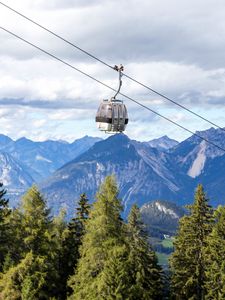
<point>112,116</point>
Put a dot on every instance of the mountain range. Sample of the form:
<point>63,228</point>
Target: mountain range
<point>160,169</point>
<point>143,173</point>
<point>139,170</point>
<point>24,162</point>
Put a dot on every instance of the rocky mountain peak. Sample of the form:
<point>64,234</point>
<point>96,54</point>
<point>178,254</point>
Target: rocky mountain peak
<point>115,148</point>
<point>163,143</point>
<point>4,140</point>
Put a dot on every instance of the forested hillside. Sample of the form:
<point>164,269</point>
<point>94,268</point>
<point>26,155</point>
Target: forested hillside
<point>97,255</point>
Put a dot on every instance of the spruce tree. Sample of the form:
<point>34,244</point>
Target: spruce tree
<point>73,239</point>
<point>36,222</point>
<point>103,243</point>
<point>16,247</point>
<point>34,235</point>
<point>4,226</point>
<point>4,209</point>
<point>82,211</point>
<point>56,272</point>
<point>188,261</point>
<point>76,230</point>
<point>29,227</point>
<point>215,258</point>
<point>42,236</point>
<point>145,273</point>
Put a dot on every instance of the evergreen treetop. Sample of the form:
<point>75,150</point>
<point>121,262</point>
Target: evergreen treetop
<point>188,262</point>
<point>144,271</point>
<point>36,222</point>
<point>26,280</point>
<point>4,209</point>
<point>102,241</point>
<point>4,226</point>
<point>215,258</point>
<point>72,241</point>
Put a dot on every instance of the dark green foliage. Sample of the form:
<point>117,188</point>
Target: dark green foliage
<point>83,210</point>
<point>33,233</point>
<point>72,241</point>
<point>215,258</point>
<point>145,274</point>
<point>26,280</point>
<point>4,210</point>
<point>35,222</point>
<point>16,246</point>
<point>103,243</point>
<point>4,225</point>
<point>188,261</point>
<point>103,257</point>
<point>76,230</point>
<point>115,281</point>
<point>29,227</point>
<point>57,286</point>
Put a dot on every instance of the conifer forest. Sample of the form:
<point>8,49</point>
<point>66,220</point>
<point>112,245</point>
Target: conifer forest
<point>97,255</point>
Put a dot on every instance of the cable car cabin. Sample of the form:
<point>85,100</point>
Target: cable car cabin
<point>112,116</point>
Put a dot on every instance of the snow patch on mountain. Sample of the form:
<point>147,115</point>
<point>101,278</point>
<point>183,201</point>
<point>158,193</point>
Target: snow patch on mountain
<point>5,176</point>
<point>163,143</point>
<point>22,181</point>
<point>166,210</point>
<point>199,163</point>
<point>99,167</point>
<point>39,157</point>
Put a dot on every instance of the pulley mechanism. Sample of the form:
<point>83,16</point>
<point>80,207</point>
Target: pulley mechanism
<point>112,116</point>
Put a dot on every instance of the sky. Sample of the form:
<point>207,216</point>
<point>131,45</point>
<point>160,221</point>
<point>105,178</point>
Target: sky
<point>174,46</point>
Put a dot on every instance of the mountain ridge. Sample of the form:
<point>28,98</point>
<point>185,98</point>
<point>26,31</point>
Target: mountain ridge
<point>144,173</point>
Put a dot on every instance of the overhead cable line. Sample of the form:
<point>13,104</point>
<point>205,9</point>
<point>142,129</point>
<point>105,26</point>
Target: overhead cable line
<point>111,88</point>
<point>56,35</point>
<point>106,64</point>
<point>174,102</point>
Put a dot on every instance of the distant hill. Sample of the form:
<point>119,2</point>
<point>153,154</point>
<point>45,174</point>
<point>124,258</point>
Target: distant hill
<point>161,217</point>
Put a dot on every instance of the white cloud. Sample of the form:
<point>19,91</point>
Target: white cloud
<point>173,46</point>
<point>39,123</point>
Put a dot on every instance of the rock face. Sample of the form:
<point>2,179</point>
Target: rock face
<point>14,176</point>
<point>203,163</point>
<point>163,143</point>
